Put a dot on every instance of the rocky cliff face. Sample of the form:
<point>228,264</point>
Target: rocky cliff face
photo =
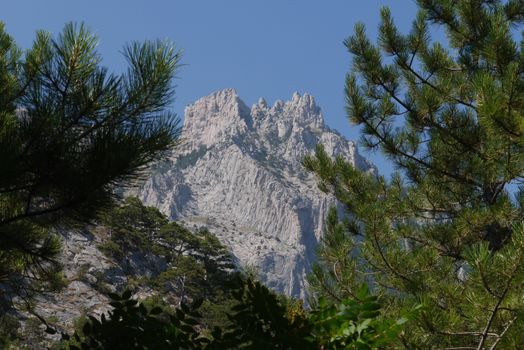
<point>238,171</point>
<point>89,275</point>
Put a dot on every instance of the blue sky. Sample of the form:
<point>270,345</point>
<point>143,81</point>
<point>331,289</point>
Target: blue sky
<point>267,48</point>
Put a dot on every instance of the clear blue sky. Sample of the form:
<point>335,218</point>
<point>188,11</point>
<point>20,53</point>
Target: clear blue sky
<point>268,48</point>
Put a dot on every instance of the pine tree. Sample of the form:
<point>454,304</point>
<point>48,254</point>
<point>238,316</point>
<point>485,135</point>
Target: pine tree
<point>70,132</point>
<point>446,229</point>
<point>197,266</point>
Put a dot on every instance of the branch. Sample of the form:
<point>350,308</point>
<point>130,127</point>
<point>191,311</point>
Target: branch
<point>31,214</point>
<point>326,288</point>
<point>427,165</point>
<point>337,277</point>
<point>386,262</point>
<point>496,309</point>
<point>470,333</point>
<point>427,82</point>
<point>502,334</point>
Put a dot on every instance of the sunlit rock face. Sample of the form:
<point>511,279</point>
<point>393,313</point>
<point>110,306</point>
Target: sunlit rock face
<point>239,172</point>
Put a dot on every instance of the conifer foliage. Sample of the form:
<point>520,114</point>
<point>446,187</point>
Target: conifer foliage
<point>446,230</point>
<point>69,132</point>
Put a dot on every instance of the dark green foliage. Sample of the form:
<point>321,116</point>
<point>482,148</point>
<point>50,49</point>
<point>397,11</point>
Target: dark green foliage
<point>354,324</point>
<point>200,262</point>
<point>131,227</point>
<point>443,231</point>
<point>238,312</point>
<point>9,330</point>
<point>333,273</point>
<point>69,132</point>
<point>260,321</point>
<point>215,313</point>
<point>132,325</point>
<point>197,264</point>
<point>111,248</point>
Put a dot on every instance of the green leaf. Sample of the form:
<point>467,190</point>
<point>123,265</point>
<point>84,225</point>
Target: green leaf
<point>114,296</point>
<point>197,303</point>
<point>50,330</point>
<point>156,311</point>
<point>191,321</point>
<point>364,325</point>
<point>131,302</point>
<point>401,321</point>
<point>116,304</point>
<point>185,308</point>
<point>126,295</point>
<point>180,314</point>
<point>187,328</point>
<point>86,329</point>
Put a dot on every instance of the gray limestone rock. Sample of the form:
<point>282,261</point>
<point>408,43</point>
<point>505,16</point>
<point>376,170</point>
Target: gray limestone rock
<point>239,172</point>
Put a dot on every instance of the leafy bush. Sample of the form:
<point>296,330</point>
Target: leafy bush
<point>132,325</point>
<point>256,319</point>
<point>353,324</point>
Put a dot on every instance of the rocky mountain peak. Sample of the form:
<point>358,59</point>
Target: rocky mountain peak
<point>262,104</point>
<point>217,116</point>
<point>305,102</point>
<point>301,108</point>
<point>240,174</point>
<point>223,115</point>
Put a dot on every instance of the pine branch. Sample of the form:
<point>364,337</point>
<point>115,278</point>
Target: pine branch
<point>431,85</point>
<point>427,165</point>
<point>506,328</point>
<point>500,299</point>
<point>386,262</point>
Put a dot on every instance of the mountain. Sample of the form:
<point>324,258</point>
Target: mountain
<point>238,172</point>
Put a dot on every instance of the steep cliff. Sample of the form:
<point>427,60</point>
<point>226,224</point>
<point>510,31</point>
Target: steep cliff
<point>238,172</point>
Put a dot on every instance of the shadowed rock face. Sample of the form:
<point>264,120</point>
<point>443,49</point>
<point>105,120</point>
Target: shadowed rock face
<point>239,172</point>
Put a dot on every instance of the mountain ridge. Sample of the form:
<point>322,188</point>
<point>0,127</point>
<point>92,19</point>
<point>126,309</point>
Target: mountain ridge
<point>238,172</point>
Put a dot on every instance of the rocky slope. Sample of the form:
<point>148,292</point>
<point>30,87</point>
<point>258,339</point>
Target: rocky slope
<point>238,171</point>
<point>88,275</point>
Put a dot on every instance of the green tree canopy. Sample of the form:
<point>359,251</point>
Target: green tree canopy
<point>444,231</point>
<point>70,131</point>
<point>197,264</point>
